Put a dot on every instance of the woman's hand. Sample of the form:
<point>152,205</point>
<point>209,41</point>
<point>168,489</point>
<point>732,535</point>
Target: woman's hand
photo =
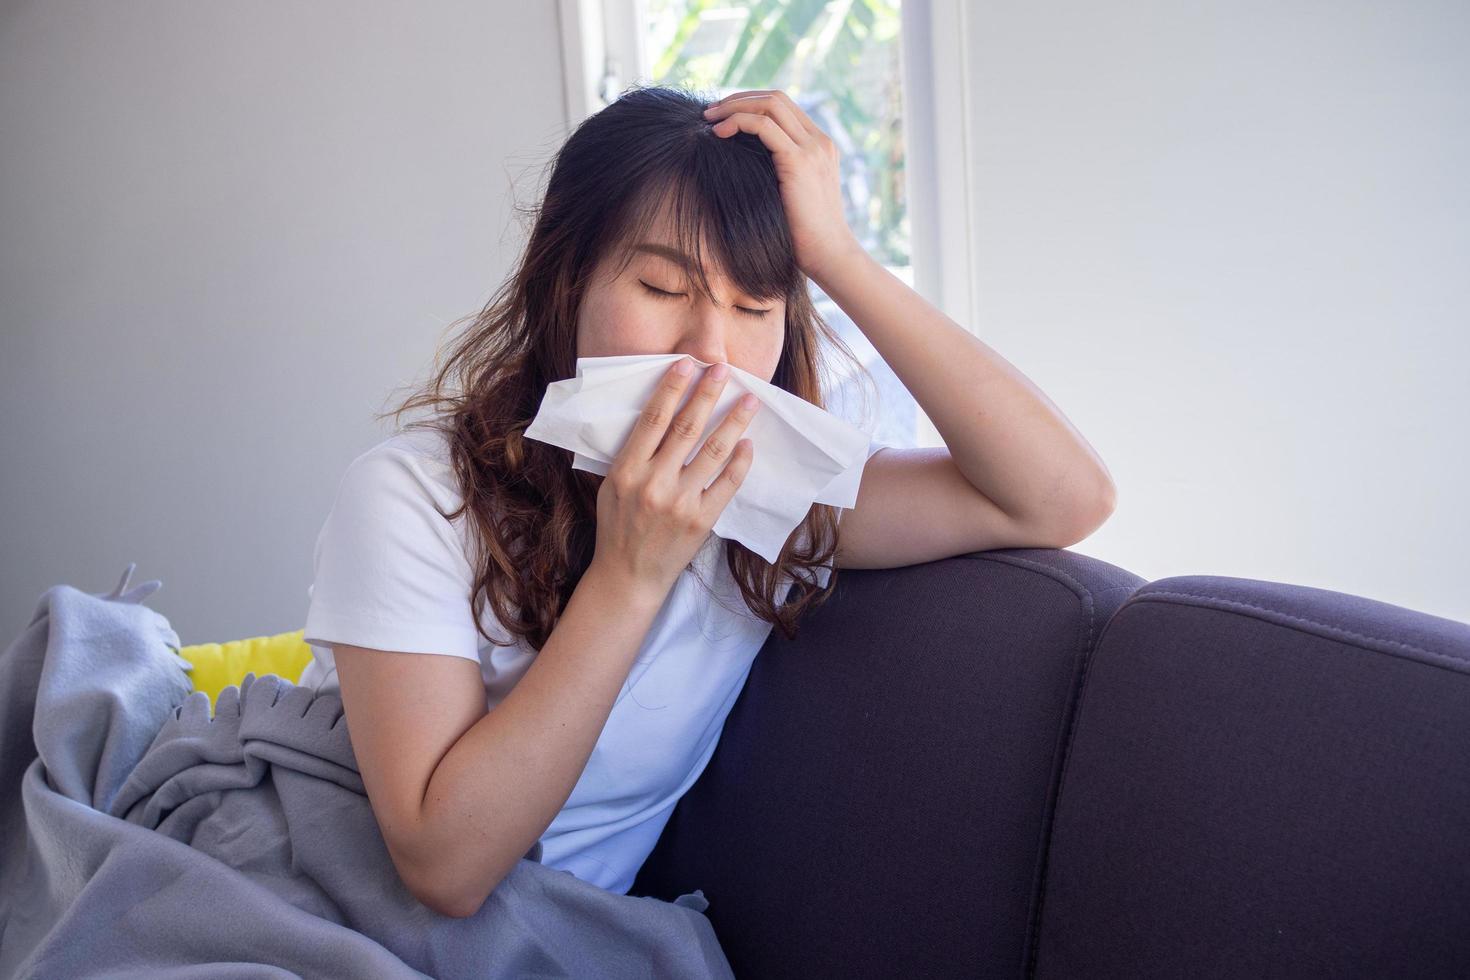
<point>653,512</point>
<point>806,167</point>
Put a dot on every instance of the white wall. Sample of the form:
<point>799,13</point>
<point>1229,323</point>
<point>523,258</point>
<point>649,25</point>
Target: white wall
<point>1232,241</point>
<point>227,231</point>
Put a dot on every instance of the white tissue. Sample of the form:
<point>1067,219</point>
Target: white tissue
<point>803,455</point>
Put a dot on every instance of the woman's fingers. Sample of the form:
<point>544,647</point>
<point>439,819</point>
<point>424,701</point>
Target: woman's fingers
<point>778,105</point>
<point>718,495</point>
<point>776,139</point>
<point>720,445</point>
<point>643,442</point>
<point>687,426</point>
<point>793,110</point>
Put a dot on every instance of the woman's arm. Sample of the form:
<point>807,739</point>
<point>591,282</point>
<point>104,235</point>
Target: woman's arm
<point>456,820</point>
<point>1004,435</point>
<point>1020,457</point>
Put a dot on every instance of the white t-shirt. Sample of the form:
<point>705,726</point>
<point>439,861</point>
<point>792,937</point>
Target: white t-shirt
<point>391,574</point>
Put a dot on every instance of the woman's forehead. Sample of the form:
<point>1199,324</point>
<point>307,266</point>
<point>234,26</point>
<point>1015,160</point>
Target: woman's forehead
<point>659,246</point>
<point>664,236</point>
<point>683,246</point>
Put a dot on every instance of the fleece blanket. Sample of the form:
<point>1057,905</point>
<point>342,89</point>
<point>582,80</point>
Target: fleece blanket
<point>142,837</point>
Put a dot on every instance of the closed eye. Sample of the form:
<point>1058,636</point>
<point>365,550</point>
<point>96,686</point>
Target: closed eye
<point>665,294</point>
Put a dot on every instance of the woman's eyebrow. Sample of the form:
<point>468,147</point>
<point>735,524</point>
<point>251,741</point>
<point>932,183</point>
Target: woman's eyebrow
<point>672,254</point>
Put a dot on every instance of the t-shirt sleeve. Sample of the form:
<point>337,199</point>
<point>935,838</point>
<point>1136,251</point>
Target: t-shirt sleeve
<point>876,444</point>
<point>873,446</point>
<point>824,571</point>
<point>390,572</point>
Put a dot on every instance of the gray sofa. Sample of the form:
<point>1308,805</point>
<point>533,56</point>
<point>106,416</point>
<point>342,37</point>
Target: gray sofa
<point>1031,763</point>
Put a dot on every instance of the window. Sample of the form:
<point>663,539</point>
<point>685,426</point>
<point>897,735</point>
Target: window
<point>847,63</point>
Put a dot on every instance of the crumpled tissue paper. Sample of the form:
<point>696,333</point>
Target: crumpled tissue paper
<point>803,454</point>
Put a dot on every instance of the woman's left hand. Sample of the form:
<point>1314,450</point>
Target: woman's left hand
<point>806,168</point>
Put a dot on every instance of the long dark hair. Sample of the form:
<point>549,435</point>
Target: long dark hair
<point>533,517</point>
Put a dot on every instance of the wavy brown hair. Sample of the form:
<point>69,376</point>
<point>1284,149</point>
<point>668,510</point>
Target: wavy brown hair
<point>533,517</point>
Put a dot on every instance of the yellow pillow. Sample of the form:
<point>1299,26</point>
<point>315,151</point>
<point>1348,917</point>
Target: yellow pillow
<point>219,665</point>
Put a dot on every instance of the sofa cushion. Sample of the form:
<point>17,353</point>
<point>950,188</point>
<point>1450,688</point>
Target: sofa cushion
<point>1264,780</point>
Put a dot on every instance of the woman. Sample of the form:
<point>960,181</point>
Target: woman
<point>538,661</point>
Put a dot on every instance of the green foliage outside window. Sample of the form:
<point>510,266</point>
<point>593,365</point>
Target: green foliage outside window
<point>839,59</point>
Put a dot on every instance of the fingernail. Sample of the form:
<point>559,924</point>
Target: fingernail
<point>718,371</point>
<point>709,110</point>
<point>749,402</point>
<point>683,367</point>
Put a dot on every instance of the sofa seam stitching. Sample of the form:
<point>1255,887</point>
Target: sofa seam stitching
<point>1074,720</point>
<point>1065,734</point>
<point>1335,632</point>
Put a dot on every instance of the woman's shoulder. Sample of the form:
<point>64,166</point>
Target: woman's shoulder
<point>391,569</point>
<point>409,460</point>
<point>423,447</point>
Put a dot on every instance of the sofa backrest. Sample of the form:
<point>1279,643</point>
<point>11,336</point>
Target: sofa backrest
<point>1264,780</point>
<point>879,798</point>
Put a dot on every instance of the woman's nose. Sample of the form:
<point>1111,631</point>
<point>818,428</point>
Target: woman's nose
<point>710,359</point>
<point>704,343</point>
<point>705,324</point>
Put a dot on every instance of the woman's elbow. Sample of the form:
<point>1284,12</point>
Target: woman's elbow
<point>435,889</point>
<point>446,902</point>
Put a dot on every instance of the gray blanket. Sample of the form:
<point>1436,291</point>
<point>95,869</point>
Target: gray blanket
<point>141,837</point>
